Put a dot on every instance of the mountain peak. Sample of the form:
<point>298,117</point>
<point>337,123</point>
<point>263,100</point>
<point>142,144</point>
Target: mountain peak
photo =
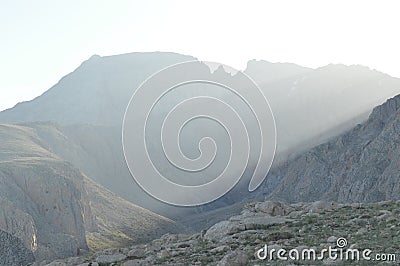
<point>94,57</point>
<point>263,71</point>
<point>97,92</point>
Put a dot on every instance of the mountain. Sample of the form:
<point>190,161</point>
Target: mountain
<point>55,210</point>
<point>96,93</point>
<point>361,165</point>
<point>65,188</point>
<point>41,196</point>
<point>312,106</point>
<point>97,152</point>
<point>265,72</point>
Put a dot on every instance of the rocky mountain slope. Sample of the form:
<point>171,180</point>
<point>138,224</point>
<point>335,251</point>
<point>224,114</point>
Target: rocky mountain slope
<point>96,93</point>
<point>41,196</point>
<point>310,106</point>
<point>49,203</point>
<point>13,251</point>
<point>361,165</point>
<point>302,226</point>
<point>56,211</point>
<point>317,104</point>
<point>119,222</point>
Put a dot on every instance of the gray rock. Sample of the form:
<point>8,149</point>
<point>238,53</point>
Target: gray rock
<point>301,248</point>
<point>234,258</point>
<point>110,251</point>
<point>163,254</point>
<point>13,251</point>
<point>222,229</point>
<point>319,206</point>
<point>332,239</point>
<point>262,222</point>
<point>75,261</point>
<point>273,208</point>
<point>330,261</point>
<point>361,231</point>
<point>132,263</point>
<point>136,253</point>
<point>57,263</point>
<point>104,259</point>
<point>219,249</point>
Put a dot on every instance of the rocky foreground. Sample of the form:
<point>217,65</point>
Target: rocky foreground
<point>300,226</point>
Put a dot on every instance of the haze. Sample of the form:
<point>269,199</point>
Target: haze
<point>42,41</point>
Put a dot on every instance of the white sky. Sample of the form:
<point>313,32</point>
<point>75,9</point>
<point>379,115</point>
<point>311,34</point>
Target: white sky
<point>41,41</point>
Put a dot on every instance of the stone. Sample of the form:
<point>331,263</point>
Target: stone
<point>57,263</point>
<point>361,231</point>
<point>273,208</point>
<point>136,253</point>
<point>320,206</point>
<point>163,254</point>
<point>234,258</point>
<point>219,249</point>
<point>261,222</point>
<point>331,239</point>
<point>222,229</point>
<point>301,248</point>
<point>104,259</point>
<point>132,263</point>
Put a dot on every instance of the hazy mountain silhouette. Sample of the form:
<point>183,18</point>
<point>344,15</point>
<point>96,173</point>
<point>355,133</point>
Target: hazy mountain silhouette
<point>310,107</point>
<point>96,93</point>
<point>264,72</point>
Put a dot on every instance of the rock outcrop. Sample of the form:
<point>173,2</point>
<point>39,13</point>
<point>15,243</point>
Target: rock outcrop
<point>41,195</point>
<point>302,226</point>
<point>13,251</point>
<point>56,211</point>
<point>361,165</point>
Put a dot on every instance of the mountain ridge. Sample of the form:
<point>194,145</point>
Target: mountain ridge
<point>55,210</point>
<point>358,166</point>
<point>310,107</point>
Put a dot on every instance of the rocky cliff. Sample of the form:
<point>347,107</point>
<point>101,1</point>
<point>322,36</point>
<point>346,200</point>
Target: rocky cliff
<point>13,251</point>
<point>361,165</point>
<point>52,208</point>
<point>42,201</point>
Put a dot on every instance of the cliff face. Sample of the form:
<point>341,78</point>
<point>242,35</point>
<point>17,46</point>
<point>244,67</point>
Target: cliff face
<point>54,210</point>
<point>13,251</point>
<point>41,199</point>
<point>362,165</point>
<point>313,106</point>
<point>19,223</point>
